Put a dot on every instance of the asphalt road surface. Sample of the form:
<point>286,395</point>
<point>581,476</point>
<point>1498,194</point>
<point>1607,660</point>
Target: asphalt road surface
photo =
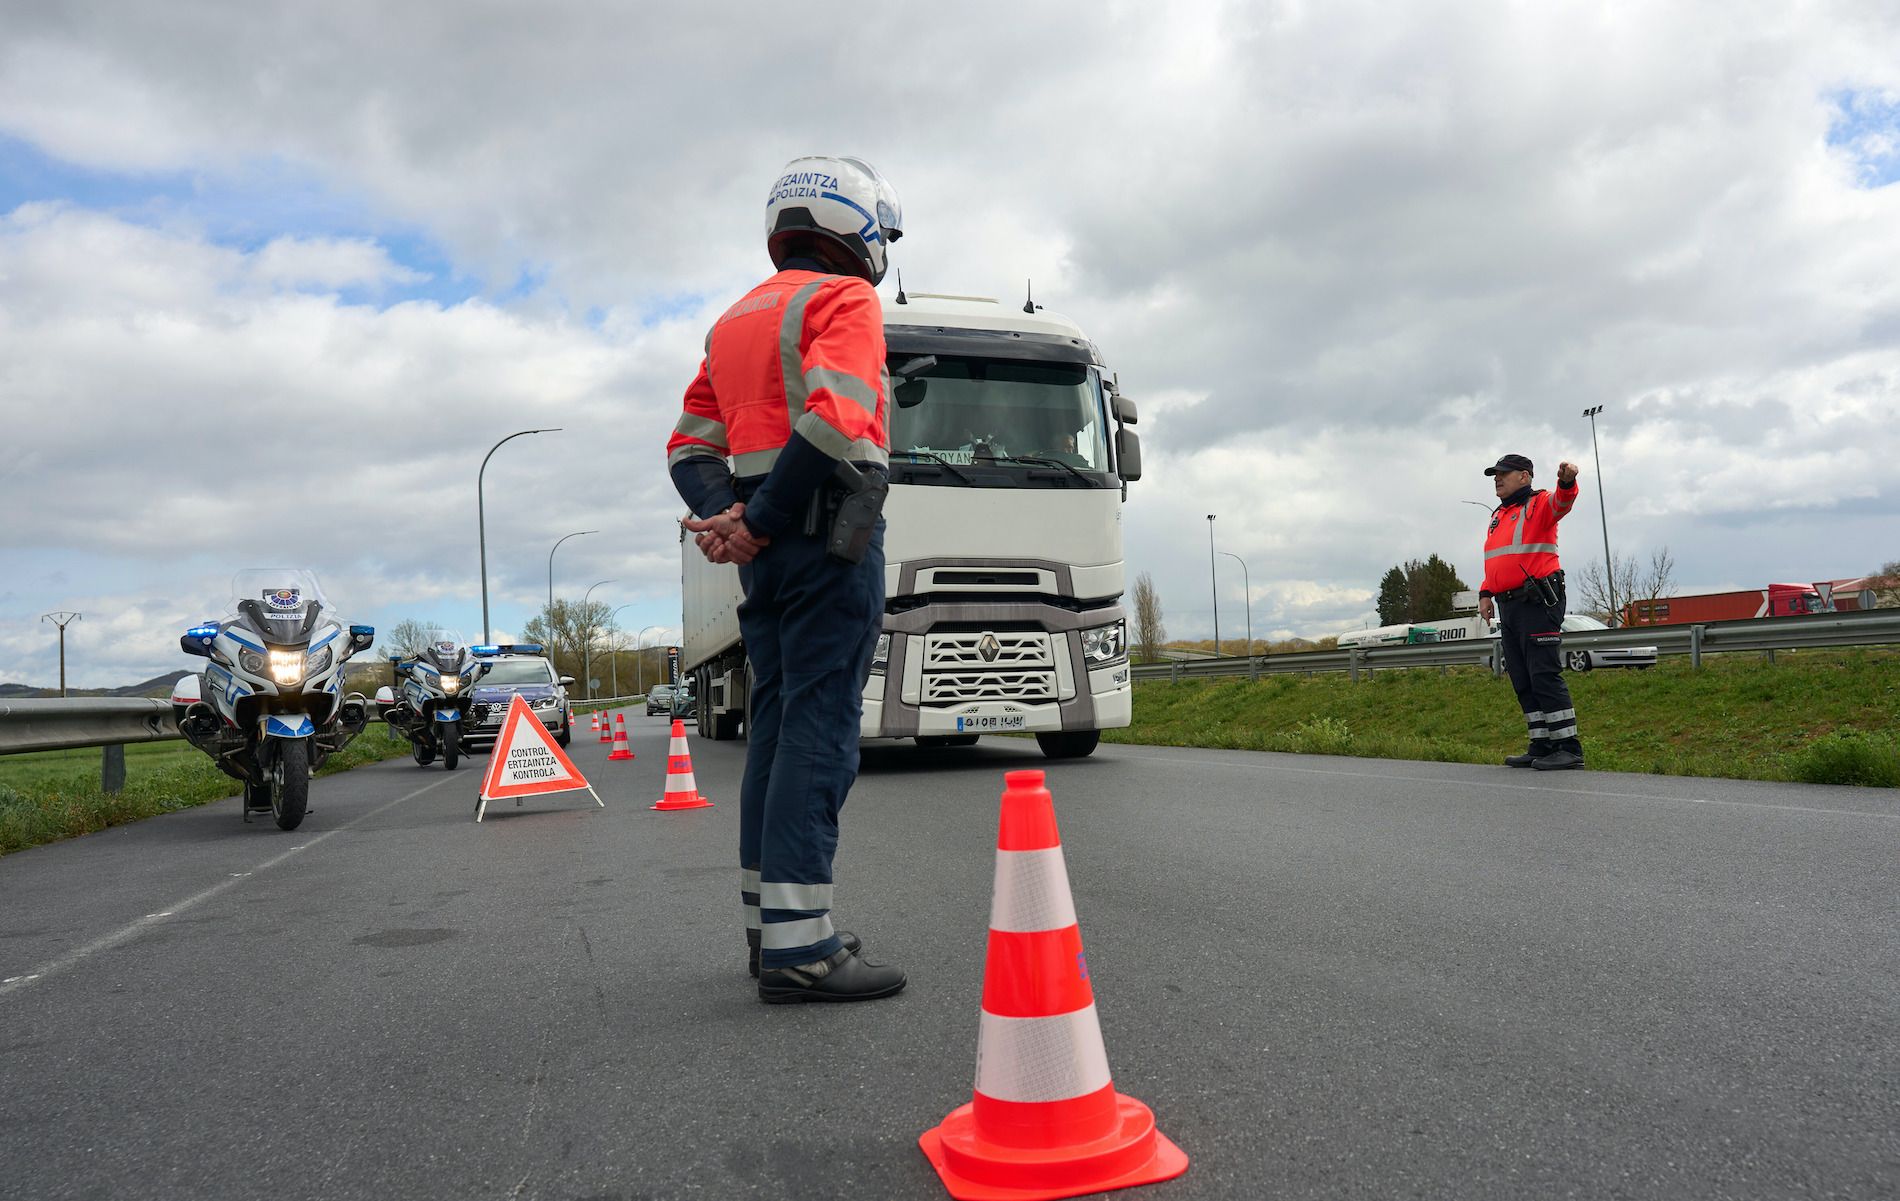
<point>1329,978</point>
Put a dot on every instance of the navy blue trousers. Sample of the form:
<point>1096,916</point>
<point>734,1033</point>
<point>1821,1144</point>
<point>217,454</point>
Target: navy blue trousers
<point>1532,635</point>
<point>810,624</point>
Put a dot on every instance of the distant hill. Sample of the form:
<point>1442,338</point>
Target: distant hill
<point>156,686</point>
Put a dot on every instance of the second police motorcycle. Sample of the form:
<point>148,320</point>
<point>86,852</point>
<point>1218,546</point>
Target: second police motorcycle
<point>269,708</point>
<point>430,703</point>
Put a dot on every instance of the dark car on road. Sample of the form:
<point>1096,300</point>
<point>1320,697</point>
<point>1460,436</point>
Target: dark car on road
<point>660,699</point>
<point>517,670</point>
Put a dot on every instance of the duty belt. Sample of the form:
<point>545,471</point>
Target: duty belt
<point>1528,590</point>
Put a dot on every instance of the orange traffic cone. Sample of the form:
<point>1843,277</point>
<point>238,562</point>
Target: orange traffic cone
<point>1045,1120</point>
<point>681,791</point>
<point>621,749</point>
<point>593,722</point>
<point>606,729</point>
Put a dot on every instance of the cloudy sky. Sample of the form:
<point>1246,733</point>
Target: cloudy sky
<point>274,276</point>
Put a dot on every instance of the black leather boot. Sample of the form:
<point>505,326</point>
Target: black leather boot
<point>849,940</point>
<point>1528,758</point>
<point>1561,759</point>
<point>843,977</point>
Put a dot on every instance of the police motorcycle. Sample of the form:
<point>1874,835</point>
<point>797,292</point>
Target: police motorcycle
<point>269,708</point>
<point>430,704</point>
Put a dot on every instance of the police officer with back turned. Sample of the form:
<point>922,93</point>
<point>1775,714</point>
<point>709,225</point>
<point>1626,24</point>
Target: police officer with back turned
<point>794,393</point>
<point>1525,583</point>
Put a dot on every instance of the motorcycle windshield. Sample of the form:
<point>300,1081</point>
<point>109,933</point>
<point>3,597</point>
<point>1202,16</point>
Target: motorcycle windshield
<point>445,651</point>
<point>281,604</point>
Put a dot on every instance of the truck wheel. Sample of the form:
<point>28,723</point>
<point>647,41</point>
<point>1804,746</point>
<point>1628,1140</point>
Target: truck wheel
<point>1069,744</point>
<point>1577,660</point>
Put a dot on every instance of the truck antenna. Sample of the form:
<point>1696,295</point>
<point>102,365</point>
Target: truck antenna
<point>1029,297</point>
<point>900,288</point>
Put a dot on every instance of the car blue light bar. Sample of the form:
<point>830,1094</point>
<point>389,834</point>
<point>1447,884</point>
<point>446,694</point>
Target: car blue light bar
<point>484,650</point>
<point>510,648</point>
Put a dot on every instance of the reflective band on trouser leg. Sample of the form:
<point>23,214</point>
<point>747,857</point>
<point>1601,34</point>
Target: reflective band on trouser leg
<point>749,896</point>
<point>781,931</point>
<point>1536,723</point>
<point>1562,732</point>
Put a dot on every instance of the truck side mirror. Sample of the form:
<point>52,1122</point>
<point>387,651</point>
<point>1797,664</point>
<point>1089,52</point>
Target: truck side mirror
<point>1124,410</point>
<point>1128,454</point>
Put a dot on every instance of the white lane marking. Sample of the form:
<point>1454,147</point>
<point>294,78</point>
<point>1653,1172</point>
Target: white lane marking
<point>132,930</point>
<point>1452,783</point>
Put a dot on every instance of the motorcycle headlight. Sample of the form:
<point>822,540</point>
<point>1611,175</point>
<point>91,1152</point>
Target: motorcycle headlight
<point>253,663</point>
<point>881,655</point>
<point>1104,644</point>
<point>319,663</point>
<point>286,667</point>
<point>451,685</point>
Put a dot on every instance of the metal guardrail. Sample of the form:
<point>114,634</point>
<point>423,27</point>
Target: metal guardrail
<point>66,723</point>
<point>1872,627</point>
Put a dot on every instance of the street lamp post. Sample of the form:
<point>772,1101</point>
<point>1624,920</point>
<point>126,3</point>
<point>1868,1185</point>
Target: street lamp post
<point>557,546</point>
<point>62,620</point>
<point>587,641</point>
<point>639,660</point>
<point>613,650</point>
<point>1213,583</point>
<point>481,516</point>
<point>1609,564</point>
<point>1246,579</point>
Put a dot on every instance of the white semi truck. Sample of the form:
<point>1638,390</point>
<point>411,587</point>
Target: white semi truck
<point>1010,462</point>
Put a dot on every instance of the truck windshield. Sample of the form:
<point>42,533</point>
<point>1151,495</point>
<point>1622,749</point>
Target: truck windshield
<point>999,417</point>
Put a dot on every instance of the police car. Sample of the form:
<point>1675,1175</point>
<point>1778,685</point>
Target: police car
<point>516,670</point>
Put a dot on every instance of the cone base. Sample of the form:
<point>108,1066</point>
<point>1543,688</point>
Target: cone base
<point>975,1169</point>
<point>696,802</point>
<point>618,756</point>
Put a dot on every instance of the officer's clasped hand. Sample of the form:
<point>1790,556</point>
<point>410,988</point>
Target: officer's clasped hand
<point>723,538</point>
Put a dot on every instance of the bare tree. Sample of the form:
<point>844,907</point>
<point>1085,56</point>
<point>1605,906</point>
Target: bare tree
<point>1887,586</point>
<point>564,631</point>
<point>1150,634</point>
<point>1591,588</point>
<point>407,637</point>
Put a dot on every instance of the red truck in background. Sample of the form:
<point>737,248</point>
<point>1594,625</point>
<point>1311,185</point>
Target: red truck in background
<point>1776,600</point>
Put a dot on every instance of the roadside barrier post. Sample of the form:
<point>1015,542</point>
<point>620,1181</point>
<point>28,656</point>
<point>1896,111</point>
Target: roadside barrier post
<point>1695,647</point>
<point>112,768</point>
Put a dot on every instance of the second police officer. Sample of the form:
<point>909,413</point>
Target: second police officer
<point>1525,582</point>
<point>793,392</point>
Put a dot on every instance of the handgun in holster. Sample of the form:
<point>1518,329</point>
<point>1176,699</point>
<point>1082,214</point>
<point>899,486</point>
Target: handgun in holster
<point>857,504</point>
<point>1544,590</point>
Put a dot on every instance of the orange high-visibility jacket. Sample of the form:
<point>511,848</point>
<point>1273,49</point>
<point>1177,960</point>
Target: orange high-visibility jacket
<point>801,352</point>
<point>1522,542</point>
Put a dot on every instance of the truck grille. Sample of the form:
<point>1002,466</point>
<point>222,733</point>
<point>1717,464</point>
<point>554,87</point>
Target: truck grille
<point>1019,666</point>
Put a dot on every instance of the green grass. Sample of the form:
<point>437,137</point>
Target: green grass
<point>55,794</point>
<point>1824,717</point>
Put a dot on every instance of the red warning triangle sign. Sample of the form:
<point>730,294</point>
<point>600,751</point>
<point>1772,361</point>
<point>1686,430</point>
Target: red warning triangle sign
<point>527,761</point>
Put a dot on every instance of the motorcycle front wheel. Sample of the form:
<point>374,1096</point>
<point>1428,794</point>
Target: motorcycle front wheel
<point>451,745</point>
<point>290,784</point>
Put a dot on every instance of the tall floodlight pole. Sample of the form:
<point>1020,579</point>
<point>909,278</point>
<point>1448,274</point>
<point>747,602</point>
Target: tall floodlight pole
<point>1246,582</point>
<point>62,620</point>
<point>587,641</point>
<point>640,660</point>
<point>1213,583</point>
<point>1609,564</point>
<point>481,516</point>
<point>557,546</point>
<point>614,650</point>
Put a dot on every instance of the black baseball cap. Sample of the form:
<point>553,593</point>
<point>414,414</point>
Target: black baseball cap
<point>1509,463</point>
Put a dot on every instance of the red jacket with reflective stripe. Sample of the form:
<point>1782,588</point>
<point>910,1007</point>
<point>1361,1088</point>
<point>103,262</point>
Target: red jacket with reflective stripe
<point>802,351</point>
<point>1523,539</point>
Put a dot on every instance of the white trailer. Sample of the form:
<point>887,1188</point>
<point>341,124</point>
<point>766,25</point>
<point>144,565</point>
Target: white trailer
<point>1010,462</point>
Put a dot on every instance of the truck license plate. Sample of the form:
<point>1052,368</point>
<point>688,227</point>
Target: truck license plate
<point>985,725</point>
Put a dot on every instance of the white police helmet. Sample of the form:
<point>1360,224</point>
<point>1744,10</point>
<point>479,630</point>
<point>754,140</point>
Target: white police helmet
<point>843,200</point>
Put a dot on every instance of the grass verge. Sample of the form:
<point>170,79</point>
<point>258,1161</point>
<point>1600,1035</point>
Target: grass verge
<point>1820,717</point>
<point>54,795</point>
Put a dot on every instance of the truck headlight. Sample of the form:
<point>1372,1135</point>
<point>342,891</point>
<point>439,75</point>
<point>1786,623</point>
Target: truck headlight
<point>286,667</point>
<point>1105,644</point>
<point>881,655</point>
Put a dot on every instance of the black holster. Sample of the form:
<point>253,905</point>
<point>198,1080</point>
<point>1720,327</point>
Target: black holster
<point>854,503</point>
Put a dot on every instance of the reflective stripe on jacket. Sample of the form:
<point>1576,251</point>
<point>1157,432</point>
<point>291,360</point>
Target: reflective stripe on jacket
<point>1522,542</point>
<point>802,351</point>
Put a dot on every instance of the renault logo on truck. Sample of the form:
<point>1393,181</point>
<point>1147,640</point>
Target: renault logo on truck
<point>989,648</point>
